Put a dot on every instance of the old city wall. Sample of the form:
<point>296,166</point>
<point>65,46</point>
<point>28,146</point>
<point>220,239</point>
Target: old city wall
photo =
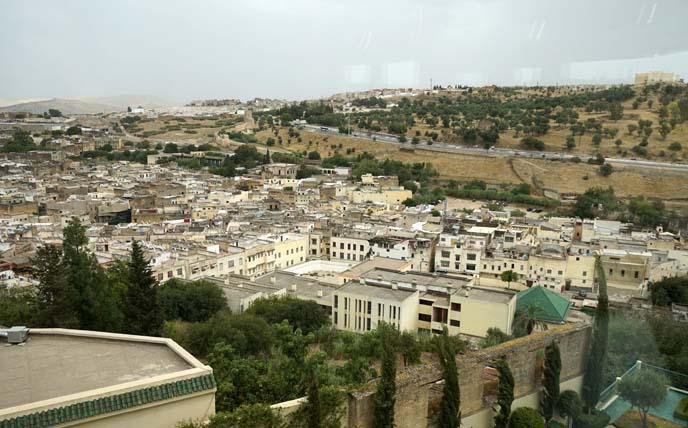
<point>418,394</point>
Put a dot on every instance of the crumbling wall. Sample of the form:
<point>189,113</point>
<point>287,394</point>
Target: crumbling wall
<point>418,393</point>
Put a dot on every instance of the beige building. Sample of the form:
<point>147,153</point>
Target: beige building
<point>359,307</point>
<point>656,77</point>
<point>101,380</point>
<point>290,249</point>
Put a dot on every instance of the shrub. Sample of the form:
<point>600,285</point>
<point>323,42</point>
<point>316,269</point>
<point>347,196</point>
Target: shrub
<point>525,417</point>
<point>595,420</point>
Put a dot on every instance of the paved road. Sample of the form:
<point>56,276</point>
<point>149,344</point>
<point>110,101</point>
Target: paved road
<point>493,152</point>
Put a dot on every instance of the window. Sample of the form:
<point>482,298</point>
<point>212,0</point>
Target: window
<point>341,246</point>
<point>635,275</point>
<point>424,317</point>
<point>361,247</point>
<point>335,317</point>
<point>457,257</point>
<point>470,267</point>
<point>471,256</point>
<point>623,273</point>
<point>444,263</point>
<point>445,254</point>
<point>585,273</point>
<point>368,324</point>
<point>455,323</point>
<point>336,301</point>
<point>370,308</point>
<point>346,303</point>
<point>426,302</point>
<point>456,307</point>
<point>611,272</point>
<point>179,272</point>
<point>440,315</point>
<point>379,309</point>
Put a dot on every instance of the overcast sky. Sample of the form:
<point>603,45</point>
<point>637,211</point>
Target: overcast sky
<point>294,49</point>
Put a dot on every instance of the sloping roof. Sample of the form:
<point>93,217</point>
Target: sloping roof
<point>555,307</point>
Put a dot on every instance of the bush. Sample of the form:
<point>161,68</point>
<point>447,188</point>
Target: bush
<point>525,417</point>
<point>595,420</point>
<point>191,301</point>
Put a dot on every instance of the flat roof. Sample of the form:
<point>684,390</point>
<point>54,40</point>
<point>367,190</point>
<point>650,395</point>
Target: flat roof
<point>377,262</point>
<point>379,292</point>
<point>48,366</point>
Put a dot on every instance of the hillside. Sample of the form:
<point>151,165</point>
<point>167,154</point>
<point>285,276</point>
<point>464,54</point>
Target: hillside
<point>87,105</point>
<point>66,106</point>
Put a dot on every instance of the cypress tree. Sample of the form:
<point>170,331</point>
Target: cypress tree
<point>383,412</point>
<point>313,407</point>
<point>143,314</point>
<point>505,393</point>
<point>550,382</point>
<point>450,413</point>
<point>597,357</point>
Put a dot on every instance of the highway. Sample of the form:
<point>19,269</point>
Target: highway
<point>493,152</point>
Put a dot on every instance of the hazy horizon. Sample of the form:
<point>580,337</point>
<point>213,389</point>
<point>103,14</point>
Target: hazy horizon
<point>179,51</point>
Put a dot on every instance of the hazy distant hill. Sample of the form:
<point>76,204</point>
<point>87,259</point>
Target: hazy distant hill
<point>124,101</point>
<point>87,105</point>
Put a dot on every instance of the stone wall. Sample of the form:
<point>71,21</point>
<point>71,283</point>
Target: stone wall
<point>418,393</point>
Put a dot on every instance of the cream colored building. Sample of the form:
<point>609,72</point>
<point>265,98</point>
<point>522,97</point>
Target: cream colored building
<point>359,307</point>
<point>290,249</point>
<point>102,380</point>
<point>656,77</point>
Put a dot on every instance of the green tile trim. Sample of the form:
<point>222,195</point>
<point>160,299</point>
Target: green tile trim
<point>112,403</point>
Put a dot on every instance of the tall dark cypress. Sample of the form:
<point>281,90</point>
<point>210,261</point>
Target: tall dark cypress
<point>505,393</point>
<point>383,412</point>
<point>550,381</point>
<point>597,357</point>
<point>450,413</point>
<point>143,314</point>
<point>313,407</point>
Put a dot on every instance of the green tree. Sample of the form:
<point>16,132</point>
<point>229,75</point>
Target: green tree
<point>383,402</point>
<point>569,405</point>
<point>18,306</point>
<point>592,381</point>
<point>525,417</point>
<point>142,304</point>
<point>508,276</point>
<point>56,300</point>
<point>191,301</point>
<point>305,315</point>
<point>74,130</point>
<point>606,170</point>
<point>95,302</point>
<point>643,389</point>
<point>494,337</point>
<point>669,290</point>
<point>550,382</point>
<point>505,393</point>
<point>528,319</point>
<point>450,413</point>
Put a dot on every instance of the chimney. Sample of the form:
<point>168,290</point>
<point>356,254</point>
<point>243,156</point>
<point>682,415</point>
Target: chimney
<point>395,286</point>
<point>293,287</point>
<point>272,280</point>
<point>320,293</point>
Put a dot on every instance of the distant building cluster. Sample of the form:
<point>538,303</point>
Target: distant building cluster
<point>350,245</point>
<point>651,77</point>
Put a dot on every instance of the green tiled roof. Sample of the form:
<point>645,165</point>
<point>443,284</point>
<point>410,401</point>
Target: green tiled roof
<point>112,403</point>
<point>555,307</point>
